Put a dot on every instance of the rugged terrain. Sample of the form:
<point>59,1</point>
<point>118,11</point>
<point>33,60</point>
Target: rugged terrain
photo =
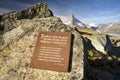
<point>95,56</point>
<point>7,20</point>
<point>110,27</point>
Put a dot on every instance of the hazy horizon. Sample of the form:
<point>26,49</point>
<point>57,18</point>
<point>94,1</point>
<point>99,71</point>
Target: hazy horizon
<point>87,11</point>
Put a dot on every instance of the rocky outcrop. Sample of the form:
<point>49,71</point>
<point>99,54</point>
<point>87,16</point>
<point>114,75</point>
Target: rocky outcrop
<point>40,10</point>
<point>100,65</point>
<point>101,42</point>
<point>88,62</point>
<point>19,44</point>
<point>115,41</point>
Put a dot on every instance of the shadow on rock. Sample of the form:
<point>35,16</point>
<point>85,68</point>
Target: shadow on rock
<point>71,54</point>
<point>1,35</point>
<point>98,66</point>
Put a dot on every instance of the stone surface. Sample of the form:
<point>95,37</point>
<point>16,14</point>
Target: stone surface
<point>40,10</point>
<point>118,43</point>
<point>97,65</point>
<point>20,42</point>
<point>101,43</point>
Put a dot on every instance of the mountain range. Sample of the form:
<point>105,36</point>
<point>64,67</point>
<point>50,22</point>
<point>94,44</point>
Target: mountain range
<point>113,27</point>
<point>74,22</point>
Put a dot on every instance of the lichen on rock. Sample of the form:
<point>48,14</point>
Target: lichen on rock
<point>21,41</point>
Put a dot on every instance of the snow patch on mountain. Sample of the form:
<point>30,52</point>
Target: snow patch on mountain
<point>93,25</point>
<point>72,21</point>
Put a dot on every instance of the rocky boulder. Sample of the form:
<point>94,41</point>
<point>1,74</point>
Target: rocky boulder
<point>101,43</point>
<point>18,46</point>
<point>40,10</point>
<point>101,56</point>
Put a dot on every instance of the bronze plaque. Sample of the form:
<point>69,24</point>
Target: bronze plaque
<point>52,51</point>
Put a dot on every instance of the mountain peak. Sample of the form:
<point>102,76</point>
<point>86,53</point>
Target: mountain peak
<point>72,21</point>
<point>72,16</point>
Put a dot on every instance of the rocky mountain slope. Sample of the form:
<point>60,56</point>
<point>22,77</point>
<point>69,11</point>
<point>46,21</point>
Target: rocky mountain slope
<point>7,20</point>
<point>114,28</point>
<point>88,61</point>
<point>74,22</point>
<point>110,28</point>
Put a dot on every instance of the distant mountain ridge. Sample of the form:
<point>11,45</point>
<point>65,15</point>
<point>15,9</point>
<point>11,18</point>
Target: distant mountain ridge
<point>110,27</point>
<point>74,22</point>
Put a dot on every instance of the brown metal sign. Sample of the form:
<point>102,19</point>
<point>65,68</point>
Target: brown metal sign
<point>52,51</point>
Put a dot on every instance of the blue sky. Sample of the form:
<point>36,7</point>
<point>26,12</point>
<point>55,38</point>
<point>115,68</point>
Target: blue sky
<point>88,11</point>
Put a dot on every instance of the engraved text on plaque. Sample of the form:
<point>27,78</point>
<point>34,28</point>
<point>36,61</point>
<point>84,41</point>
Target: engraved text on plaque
<point>52,51</point>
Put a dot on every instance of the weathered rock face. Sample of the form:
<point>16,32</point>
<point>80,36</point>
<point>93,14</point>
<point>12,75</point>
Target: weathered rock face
<point>20,42</point>
<point>115,41</point>
<point>87,62</point>
<point>40,10</point>
<point>100,42</point>
<point>100,66</point>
